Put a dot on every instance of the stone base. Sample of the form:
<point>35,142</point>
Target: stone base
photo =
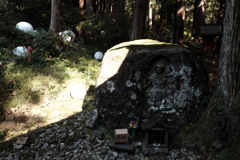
<point>153,150</point>
<point>123,147</point>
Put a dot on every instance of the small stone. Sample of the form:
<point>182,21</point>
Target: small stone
<point>115,154</point>
<point>63,135</point>
<point>18,146</point>
<point>104,150</point>
<point>71,133</point>
<point>23,140</point>
<point>9,117</point>
<point>8,125</point>
<point>52,145</point>
<point>98,134</point>
<point>75,151</point>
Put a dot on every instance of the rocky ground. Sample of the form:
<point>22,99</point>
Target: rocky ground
<point>70,139</point>
<point>66,136</point>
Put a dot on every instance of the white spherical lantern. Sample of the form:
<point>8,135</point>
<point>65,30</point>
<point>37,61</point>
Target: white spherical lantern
<point>24,26</point>
<point>78,91</point>
<point>68,36</point>
<point>20,51</point>
<point>98,55</point>
<point>102,32</point>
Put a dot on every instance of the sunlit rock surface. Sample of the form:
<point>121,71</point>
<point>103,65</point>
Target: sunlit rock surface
<point>150,79</point>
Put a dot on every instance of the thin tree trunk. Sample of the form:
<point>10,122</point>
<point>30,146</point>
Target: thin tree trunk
<point>221,12</point>
<point>150,15</point>
<point>54,23</point>
<point>81,9</point>
<point>156,19</point>
<point>89,7</point>
<point>120,15</point>
<point>198,17</point>
<point>139,18</point>
<point>179,23</point>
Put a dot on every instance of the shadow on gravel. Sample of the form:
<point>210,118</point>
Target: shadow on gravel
<point>74,123</point>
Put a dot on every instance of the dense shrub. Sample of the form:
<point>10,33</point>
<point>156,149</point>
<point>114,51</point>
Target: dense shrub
<point>91,31</point>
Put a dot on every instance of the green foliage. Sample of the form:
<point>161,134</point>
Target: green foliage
<point>92,28</point>
<point>132,116</point>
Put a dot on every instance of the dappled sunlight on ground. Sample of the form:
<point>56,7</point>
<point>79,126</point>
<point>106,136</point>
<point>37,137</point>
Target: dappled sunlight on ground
<point>30,117</point>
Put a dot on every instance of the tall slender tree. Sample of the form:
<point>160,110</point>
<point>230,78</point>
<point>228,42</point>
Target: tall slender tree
<point>139,18</point>
<point>120,15</point>
<point>198,17</point>
<point>179,22</point>
<point>89,7</point>
<point>54,23</point>
<point>156,24</point>
<point>81,7</point>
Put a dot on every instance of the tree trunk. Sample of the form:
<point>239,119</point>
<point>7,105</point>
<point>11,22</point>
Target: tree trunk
<point>198,17</point>
<point>221,120</point>
<point>54,23</point>
<point>120,15</point>
<point>229,65</point>
<point>221,12</point>
<point>150,15</point>
<point>89,7</point>
<point>179,23</point>
<point>139,18</point>
<point>81,9</point>
<point>156,19</point>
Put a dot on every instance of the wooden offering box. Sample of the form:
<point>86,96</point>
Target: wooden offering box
<point>121,136</point>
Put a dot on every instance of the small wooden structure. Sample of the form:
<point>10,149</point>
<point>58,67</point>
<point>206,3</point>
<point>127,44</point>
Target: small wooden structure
<point>156,135</point>
<point>209,33</point>
<point>121,136</point>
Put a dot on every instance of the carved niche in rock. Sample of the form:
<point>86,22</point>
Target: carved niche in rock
<point>149,79</point>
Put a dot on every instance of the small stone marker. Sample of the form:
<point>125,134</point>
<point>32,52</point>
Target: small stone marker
<point>92,120</point>
<point>23,140</point>
<point>121,136</point>
<point>124,147</point>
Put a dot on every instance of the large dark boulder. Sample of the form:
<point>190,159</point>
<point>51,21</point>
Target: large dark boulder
<point>149,79</point>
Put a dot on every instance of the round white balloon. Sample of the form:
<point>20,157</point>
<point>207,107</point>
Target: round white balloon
<point>24,26</point>
<point>102,32</point>
<point>78,91</point>
<point>20,51</point>
<point>98,55</point>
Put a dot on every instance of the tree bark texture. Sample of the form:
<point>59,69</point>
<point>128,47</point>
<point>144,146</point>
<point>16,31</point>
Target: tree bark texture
<point>156,24</point>
<point>89,7</point>
<point>198,17</point>
<point>179,23</point>
<point>229,63</point>
<point>54,23</point>
<point>221,12</point>
<point>150,15</point>
<point>120,15</point>
<point>139,18</point>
